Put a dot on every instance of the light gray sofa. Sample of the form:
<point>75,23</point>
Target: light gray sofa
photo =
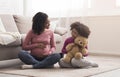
<point>21,25</point>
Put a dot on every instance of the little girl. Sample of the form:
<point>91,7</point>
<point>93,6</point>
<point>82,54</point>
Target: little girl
<point>77,29</point>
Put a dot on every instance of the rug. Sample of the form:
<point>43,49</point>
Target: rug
<point>105,64</point>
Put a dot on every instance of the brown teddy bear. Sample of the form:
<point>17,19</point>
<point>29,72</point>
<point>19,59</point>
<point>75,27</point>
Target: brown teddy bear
<point>76,49</point>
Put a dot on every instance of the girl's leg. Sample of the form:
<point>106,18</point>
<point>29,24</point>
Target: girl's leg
<point>25,57</point>
<point>63,64</point>
<point>48,61</point>
<point>82,63</point>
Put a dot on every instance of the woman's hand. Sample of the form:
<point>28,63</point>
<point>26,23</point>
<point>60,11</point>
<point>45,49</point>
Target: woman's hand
<point>42,45</point>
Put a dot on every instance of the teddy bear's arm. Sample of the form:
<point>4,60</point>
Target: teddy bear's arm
<point>84,51</point>
<point>69,47</point>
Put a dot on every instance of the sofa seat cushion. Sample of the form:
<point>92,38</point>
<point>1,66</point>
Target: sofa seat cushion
<point>12,44</point>
<point>10,38</point>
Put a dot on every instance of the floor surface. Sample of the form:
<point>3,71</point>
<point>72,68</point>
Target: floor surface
<point>114,73</point>
<point>107,68</point>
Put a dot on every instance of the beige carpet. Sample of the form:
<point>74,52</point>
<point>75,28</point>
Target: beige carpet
<point>105,64</point>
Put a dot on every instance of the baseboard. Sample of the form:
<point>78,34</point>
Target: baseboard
<point>10,63</point>
<point>104,54</point>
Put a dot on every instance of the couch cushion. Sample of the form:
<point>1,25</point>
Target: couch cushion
<point>60,30</point>
<point>58,38</point>
<point>53,25</point>
<point>10,38</point>
<point>12,44</point>
<point>8,22</point>
<point>23,23</point>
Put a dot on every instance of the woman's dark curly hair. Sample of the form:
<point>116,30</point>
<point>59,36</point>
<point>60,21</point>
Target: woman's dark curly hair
<point>82,29</point>
<point>38,24</point>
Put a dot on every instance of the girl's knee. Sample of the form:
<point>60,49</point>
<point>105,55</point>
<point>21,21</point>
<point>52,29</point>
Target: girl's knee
<point>75,62</point>
<point>63,64</point>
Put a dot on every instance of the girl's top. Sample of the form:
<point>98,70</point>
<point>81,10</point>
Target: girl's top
<point>67,41</point>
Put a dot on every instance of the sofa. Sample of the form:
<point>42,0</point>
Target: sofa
<point>13,29</point>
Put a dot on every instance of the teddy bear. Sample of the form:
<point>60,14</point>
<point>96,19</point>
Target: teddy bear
<point>77,49</point>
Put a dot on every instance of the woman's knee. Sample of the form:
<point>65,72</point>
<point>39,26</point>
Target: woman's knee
<point>56,56</point>
<point>21,53</point>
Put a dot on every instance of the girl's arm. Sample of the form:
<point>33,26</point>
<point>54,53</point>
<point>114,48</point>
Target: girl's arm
<point>67,41</point>
<point>64,46</point>
<point>85,55</point>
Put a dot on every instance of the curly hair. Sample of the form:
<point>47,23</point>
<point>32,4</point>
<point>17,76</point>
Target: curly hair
<point>38,24</point>
<point>82,29</point>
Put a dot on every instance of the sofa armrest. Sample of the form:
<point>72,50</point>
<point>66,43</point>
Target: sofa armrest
<point>60,30</point>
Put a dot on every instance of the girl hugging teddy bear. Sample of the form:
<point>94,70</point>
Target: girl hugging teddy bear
<point>77,29</point>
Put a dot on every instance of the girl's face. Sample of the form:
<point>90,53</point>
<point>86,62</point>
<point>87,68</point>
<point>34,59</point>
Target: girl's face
<point>74,33</point>
<point>47,24</point>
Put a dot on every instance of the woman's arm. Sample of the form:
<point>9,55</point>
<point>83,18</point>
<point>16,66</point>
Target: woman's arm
<point>27,45</point>
<point>52,43</point>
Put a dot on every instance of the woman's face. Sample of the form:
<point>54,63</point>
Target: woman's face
<point>47,24</point>
<point>74,33</point>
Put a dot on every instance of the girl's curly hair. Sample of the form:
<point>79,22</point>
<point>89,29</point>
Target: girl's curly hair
<point>82,29</point>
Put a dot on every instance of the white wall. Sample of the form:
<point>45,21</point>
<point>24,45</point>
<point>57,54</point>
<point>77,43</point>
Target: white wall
<point>70,8</point>
<point>11,7</point>
<point>98,8</point>
<point>105,33</point>
<point>103,8</point>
